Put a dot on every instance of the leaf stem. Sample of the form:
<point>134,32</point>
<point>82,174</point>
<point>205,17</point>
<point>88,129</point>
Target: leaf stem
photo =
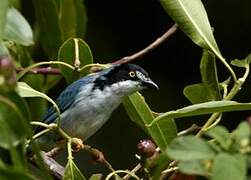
<point>213,120</point>
<point>228,67</point>
<point>22,73</point>
<point>92,65</point>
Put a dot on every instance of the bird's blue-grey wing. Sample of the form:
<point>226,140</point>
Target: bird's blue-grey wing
<point>65,100</point>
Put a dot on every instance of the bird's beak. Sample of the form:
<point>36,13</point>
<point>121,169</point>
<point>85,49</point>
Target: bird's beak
<point>151,84</point>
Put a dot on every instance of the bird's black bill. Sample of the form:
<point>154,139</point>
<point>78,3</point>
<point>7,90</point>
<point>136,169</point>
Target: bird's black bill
<point>150,84</point>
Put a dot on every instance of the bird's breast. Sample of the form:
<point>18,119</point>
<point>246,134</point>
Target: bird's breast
<point>90,110</point>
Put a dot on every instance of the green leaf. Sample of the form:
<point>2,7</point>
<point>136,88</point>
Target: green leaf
<point>193,167</point>
<point>160,163</point>
<point>189,148</point>
<point>140,113</point>
<point>191,17</point>
<point>22,105</point>
<point>13,126</point>
<point>72,172</point>
<point>209,89</point>
<point>229,166</point>
<point>242,63</point>
<point>67,20</point>
<point>96,177</point>
<point>7,173</point>
<point>203,108</point>
<point>17,29</point>
<point>221,135</point>
<point>73,18</point>
<point>72,50</point>
<point>198,93</point>
<point>3,50</point>
<point>20,54</point>
<point>242,138</point>
<point>24,90</point>
<point>243,131</point>
<point>3,13</point>
<point>38,106</point>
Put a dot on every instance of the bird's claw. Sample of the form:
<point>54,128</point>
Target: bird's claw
<point>77,144</point>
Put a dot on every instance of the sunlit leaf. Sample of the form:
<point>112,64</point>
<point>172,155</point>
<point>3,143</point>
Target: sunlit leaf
<point>204,108</point>
<point>17,29</point>
<point>72,50</point>
<point>139,112</point>
<point>72,172</point>
<point>192,19</point>
<point>25,90</point>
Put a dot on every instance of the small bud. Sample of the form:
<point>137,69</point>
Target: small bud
<point>146,148</point>
<point>7,74</point>
<point>6,67</point>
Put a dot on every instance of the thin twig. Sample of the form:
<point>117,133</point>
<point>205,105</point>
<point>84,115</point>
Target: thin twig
<point>133,57</point>
<point>149,48</point>
<point>45,70</point>
<point>133,171</point>
<point>98,156</point>
<point>193,128</point>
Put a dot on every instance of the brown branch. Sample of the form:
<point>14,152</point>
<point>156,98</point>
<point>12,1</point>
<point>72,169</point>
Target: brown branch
<point>46,70</point>
<point>149,48</point>
<point>55,168</point>
<point>127,59</point>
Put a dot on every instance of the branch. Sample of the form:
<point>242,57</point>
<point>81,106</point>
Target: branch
<point>55,168</point>
<point>47,70</point>
<point>149,48</point>
<point>127,59</point>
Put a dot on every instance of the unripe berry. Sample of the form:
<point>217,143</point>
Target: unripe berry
<point>146,148</point>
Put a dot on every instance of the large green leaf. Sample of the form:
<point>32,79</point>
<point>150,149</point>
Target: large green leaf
<point>140,113</point>
<point>3,13</point>
<point>38,106</point>
<point>13,126</point>
<point>189,148</point>
<point>67,19</point>
<point>17,29</point>
<point>72,172</point>
<point>191,17</point>
<point>203,108</point>
<point>209,89</point>
<point>229,166</point>
<point>71,51</point>
<point>25,90</point>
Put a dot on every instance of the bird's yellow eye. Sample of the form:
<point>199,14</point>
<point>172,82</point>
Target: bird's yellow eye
<point>132,74</point>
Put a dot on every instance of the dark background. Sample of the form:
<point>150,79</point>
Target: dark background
<point>120,28</point>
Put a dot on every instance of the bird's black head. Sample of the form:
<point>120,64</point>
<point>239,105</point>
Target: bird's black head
<point>125,73</point>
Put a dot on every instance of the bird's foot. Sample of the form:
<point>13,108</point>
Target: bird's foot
<point>77,144</point>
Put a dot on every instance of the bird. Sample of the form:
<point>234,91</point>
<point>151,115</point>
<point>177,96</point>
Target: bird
<point>87,104</point>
